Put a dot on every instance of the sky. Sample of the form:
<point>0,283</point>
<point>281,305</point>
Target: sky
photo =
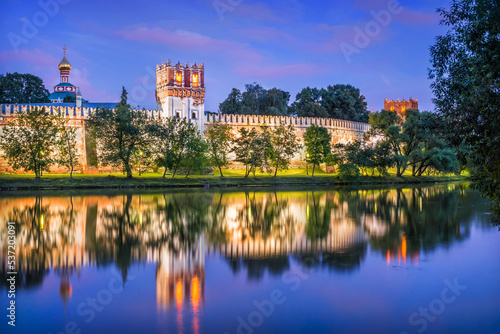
<point>378,46</point>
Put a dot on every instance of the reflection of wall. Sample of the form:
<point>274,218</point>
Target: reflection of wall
<point>289,234</point>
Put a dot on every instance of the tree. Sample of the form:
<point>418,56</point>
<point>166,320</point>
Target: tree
<point>276,102</point>
<point>172,139</point>
<point>66,146</point>
<point>344,102</point>
<point>243,147</point>
<point>466,72</point>
<point>252,148</point>
<point>119,133</point>
<point>219,138</point>
<point>308,104</point>
<point>30,140</point>
<point>22,88</point>
<point>283,147</point>
<point>256,100</point>
<point>253,99</point>
<point>232,104</point>
<point>194,158</point>
<point>387,125</point>
<point>69,98</point>
<point>317,142</point>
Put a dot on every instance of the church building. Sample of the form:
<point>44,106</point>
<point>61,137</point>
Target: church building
<point>64,87</point>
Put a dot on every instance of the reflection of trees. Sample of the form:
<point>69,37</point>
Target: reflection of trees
<point>256,268</point>
<point>262,216</point>
<point>318,216</point>
<point>36,239</point>
<point>426,217</point>
<point>342,261</point>
<point>129,228</point>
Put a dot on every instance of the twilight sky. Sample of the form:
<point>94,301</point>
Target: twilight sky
<point>289,44</point>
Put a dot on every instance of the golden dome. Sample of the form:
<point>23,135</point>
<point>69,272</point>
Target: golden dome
<point>64,64</point>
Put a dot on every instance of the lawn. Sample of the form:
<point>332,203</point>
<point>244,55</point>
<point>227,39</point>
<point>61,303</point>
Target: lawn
<point>232,178</point>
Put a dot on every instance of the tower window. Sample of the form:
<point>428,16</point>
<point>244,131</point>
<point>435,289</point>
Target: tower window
<point>194,114</point>
<point>178,113</point>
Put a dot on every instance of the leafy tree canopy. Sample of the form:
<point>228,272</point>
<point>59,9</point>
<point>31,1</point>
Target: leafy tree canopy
<point>256,100</point>
<point>22,88</point>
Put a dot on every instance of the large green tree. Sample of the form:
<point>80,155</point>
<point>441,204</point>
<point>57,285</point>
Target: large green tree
<point>386,126</point>
<point>67,151</point>
<point>317,142</point>
<point>30,141</point>
<point>232,104</point>
<point>219,138</point>
<point>119,133</point>
<point>256,100</point>
<point>22,88</point>
<point>466,72</point>
<point>174,142</point>
<point>344,102</point>
<point>308,104</point>
<point>284,145</point>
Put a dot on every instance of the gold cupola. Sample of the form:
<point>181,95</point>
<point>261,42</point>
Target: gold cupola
<point>64,64</point>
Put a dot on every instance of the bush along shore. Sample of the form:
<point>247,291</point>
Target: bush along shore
<point>232,178</point>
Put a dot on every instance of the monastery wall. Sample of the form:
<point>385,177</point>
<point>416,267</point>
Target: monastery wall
<point>342,131</point>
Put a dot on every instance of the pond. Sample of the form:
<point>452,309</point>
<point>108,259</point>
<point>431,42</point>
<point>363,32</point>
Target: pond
<point>324,260</point>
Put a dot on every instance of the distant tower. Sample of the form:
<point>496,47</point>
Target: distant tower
<point>401,106</point>
<point>180,92</point>
<point>64,88</point>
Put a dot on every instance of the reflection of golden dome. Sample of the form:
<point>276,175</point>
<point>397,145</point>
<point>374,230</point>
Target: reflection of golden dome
<point>64,64</point>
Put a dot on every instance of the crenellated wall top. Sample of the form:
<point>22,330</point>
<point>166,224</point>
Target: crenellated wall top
<point>65,111</point>
<point>296,122</point>
<point>233,120</point>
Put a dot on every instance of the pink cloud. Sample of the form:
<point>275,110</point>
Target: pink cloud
<point>417,17</point>
<point>258,12</point>
<point>268,34</point>
<point>407,15</point>
<point>34,57</point>
<point>188,40</point>
<point>346,34</point>
<point>276,71</point>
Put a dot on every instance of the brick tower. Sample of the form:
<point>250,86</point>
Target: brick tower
<point>400,106</point>
<point>180,92</point>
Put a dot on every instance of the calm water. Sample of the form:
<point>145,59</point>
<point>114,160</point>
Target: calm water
<point>406,260</point>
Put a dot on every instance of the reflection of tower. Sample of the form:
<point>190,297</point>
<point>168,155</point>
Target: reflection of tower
<point>401,253</point>
<point>65,290</point>
<point>180,278</point>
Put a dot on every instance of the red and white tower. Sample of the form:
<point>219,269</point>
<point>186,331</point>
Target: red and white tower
<point>180,92</point>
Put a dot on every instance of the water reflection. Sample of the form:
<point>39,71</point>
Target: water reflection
<point>256,231</point>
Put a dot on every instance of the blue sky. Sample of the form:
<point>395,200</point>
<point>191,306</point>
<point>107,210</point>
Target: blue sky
<point>289,44</point>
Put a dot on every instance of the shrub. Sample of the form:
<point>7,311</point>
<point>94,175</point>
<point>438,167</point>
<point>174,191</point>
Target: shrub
<point>348,172</point>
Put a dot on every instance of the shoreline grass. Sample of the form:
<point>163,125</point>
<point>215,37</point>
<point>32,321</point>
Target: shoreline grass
<point>232,178</point>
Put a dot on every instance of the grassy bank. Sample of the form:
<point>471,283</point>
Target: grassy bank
<point>232,178</point>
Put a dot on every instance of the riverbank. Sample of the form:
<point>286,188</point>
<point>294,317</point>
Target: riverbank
<point>232,178</point>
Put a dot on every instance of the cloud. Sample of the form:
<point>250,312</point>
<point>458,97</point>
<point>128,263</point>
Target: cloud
<point>188,40</point>
<point>265,34</point>
<point>259,71</point>
<point>417,17</point>
<point>258,12</point>
<point>33,57</point>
